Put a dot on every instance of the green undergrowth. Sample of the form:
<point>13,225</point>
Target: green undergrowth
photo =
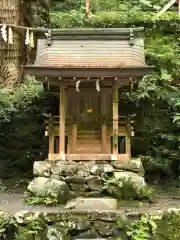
<point>156,227</point>
<point>34,200</point>
<point>37,226</point>
<point>122,189</point>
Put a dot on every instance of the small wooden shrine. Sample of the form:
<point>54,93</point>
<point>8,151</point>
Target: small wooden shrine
<point>89,66</point>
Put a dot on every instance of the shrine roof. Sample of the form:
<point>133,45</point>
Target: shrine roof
<point>90,49</point>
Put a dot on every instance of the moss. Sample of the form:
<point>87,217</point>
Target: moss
<point>66,225</point>
<point>127,190</point>
<point>33,230</point>
<point>54,217</point>
<point>33,200</point>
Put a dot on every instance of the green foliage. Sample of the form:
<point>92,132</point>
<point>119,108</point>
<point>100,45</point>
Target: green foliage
<point>33,200</point>
<point>6,221</point>
<point>21,127</point>
<point>126,190</point>
<point>156,227</point>
<point>168,225</point>
<point>33,230</point>
<point>156,98</point>
<point>143,229</point>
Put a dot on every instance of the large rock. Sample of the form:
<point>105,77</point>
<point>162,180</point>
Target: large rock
<point>96,169</point>
<point>26,217</point>
<point>39,186</point>
<point>133,165</point>
<point>75,179</point>
<point>42,169</point>
<point>136,179</point>
<point>79,189</point>
<point>95,183</point>
<point>56,233</point>
<point>63,168</point>
<point>90,234</point>
<point>78,225</point>
<point>44,187</point>
<point>107,168</point>
<point>105,230</point>
<point>59,190</point>
<point>83,170</point>
<point>92,203</point>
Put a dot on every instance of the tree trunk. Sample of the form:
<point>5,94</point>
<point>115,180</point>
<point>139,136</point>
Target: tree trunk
<point>11,54</point>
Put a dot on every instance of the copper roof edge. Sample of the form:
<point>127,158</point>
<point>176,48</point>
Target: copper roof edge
<point>91,31</point>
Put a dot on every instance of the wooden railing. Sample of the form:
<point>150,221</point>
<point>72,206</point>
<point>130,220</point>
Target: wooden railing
<point>108,120</point>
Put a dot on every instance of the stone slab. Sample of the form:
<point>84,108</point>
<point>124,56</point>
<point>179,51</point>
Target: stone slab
<point>92,204</point>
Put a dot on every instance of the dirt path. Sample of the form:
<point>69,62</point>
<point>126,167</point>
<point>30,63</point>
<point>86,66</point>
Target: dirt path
<point>14,202</point>
<point>11,200</point>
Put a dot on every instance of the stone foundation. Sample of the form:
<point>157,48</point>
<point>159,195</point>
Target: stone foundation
<point>69,225</point>
<point>67,180</point>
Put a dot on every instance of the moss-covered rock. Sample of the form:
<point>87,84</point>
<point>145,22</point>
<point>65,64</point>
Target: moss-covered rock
<point>47,188</point>
<point>69,225</point>
<point>67,180</point>
<point>128,188</point>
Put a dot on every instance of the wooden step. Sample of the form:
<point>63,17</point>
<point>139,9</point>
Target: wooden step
<point>88,157</point>
<point>90,132</point>
<point>88,137</point>
<point>88,151</point>
<point>81,141</point>
<point>79,146</point>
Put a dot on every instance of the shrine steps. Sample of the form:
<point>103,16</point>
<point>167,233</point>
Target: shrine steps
<point>86,144</point>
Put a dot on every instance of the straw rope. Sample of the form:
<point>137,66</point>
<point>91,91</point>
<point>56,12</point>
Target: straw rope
<point>10,55</point>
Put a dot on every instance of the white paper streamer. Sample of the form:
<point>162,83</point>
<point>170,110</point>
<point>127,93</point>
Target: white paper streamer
<point>27,38</point>
<point>77,85</point>
<point>97,86</point>
<point>10,36</point>
<point>4,33</point>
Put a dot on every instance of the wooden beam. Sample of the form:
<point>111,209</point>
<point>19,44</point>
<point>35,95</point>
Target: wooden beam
<point>104,137</point>
<point>128,138</point>
<point>62,123</point>
<point>74,138</point>
<point>51,143</point>
<point>115,119</point>
<point>79,72</point>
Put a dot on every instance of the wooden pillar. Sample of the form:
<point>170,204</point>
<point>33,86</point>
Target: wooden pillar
<point>51,143</point>
<point>115,120</point>
<point>104,137</point>
<point>62,123</point>
<point>128,137</point>
<point>74,138</point>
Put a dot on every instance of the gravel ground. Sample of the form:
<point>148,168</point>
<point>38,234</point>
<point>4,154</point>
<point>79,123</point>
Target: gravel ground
<point>13,202</point>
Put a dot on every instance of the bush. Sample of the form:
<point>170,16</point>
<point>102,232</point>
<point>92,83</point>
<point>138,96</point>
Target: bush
<point>21,127</point>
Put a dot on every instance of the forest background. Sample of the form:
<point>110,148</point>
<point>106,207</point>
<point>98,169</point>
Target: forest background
<point>156,100</point>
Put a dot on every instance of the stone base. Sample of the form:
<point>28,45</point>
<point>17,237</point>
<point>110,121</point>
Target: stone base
<point>65,180</point>
<point>87,157</point>
<point>92,204</point>
<point>69,225</point>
